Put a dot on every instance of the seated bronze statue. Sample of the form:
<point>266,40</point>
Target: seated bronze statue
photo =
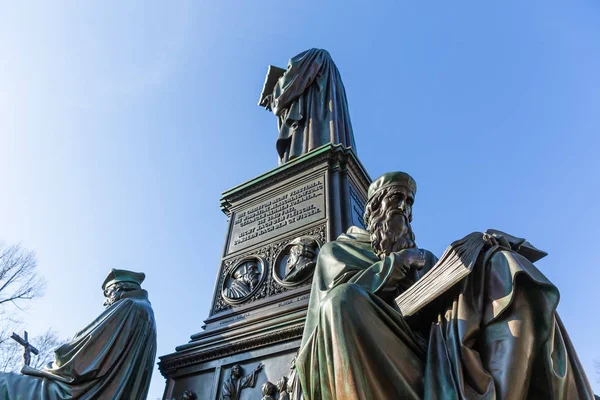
<point>494,335</point>
<point>111,358</point>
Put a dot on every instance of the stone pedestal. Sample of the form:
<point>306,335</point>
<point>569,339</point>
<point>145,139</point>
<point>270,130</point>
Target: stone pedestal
<point>261,296</point>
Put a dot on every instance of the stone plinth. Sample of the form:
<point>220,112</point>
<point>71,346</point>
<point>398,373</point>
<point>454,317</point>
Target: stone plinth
<point>277,222</point>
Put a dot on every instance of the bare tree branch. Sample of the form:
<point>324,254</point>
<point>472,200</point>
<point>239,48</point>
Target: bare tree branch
<point>19,282</point>
<point>18,276</point>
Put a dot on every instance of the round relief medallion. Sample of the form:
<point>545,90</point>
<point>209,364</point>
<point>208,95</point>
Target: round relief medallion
<point>243,280</point>
<point>295,263</point>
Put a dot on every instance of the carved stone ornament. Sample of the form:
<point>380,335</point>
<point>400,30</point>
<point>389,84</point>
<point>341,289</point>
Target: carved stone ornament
<point>243,279</point>
<point>268,391</point>
<point>189,395</point>
<point>233,386</point>
<point>295,263</point>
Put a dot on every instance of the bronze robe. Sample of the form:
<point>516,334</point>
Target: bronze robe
<point>496,335</point>
<point>112,358</point>
<point>310,103</point>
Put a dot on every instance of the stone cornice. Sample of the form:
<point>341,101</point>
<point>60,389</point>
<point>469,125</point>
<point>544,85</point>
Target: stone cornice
<point>172,362</point>
<point>333,154</point>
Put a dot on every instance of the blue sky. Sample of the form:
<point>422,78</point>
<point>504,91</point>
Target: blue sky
<point>122,122</point>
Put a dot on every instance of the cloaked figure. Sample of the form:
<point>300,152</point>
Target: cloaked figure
<point>310,103</point>
<point>111,358</point>
<point>301,259</point>
<point>244,280</point>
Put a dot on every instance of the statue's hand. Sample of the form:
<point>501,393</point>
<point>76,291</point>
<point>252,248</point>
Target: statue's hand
<point>266,102</point>
<point>496,239</point>
<point>412,258</point>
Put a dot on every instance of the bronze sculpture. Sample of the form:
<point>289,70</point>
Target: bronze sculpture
<point>301,259</point>
<point>268,391</point>
<point>245,279</point>
<point>282,388</point>
<point>310,103</point>
<point>111,358</point>
<point>28,349</point>
<point>233,386</point>
<point>496,334</point>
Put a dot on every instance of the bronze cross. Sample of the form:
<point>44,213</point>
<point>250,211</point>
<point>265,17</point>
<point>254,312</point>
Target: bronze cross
<point>27,347</point>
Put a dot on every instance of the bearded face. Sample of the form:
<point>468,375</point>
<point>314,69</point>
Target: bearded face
<point>388,216</point>
<point>114,292</point>
<point>251,278</point>
<point>294,256</point>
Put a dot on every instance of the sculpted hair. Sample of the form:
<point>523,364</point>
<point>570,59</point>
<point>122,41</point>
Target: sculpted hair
<point>383,239</point>
<point>127,286</point>
<point>373,208</point>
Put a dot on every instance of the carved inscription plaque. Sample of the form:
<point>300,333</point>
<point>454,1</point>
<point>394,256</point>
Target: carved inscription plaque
<point>282,213</point>
<point>358,209</point>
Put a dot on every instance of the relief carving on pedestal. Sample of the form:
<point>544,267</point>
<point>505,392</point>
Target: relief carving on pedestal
<point>243,279</point>
<point>295,262</point>
<point>267,284</point>
<point>288,386</point>
<point>268,391</point>
<point>282,388</point>
<point>233,386</point>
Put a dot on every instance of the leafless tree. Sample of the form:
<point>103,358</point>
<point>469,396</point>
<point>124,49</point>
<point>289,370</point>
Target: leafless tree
<point>19,280</point>
<point>11,353</point>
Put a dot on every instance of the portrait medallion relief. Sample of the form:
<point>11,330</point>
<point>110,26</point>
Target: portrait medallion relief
<point>295,263</point>
<point>243,280</point>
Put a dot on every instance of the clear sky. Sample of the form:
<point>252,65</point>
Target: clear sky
<point>122,122</point>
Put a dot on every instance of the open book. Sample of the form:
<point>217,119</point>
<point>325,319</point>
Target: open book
<point>457,262</point>
<point>273,75</point>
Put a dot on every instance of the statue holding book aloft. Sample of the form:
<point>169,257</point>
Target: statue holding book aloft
<point>310,103</point>
<point>387,320</point>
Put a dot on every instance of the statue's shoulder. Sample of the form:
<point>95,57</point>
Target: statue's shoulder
<point>354,239</point>
<point>138,300</point>
<point>355,234</point>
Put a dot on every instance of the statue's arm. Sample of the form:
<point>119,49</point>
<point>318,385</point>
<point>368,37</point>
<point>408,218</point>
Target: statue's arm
<point>384,275</point>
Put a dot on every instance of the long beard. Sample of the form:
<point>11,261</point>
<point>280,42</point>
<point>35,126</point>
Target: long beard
<point>390,232</point>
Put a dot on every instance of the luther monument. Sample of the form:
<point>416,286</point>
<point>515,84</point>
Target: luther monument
<point>323,293</point>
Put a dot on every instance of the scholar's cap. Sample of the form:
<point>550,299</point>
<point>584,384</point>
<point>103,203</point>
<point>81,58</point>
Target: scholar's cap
<point>392,179</point>
<point>123,275</point>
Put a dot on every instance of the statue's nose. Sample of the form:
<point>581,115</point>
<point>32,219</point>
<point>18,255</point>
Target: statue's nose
<point>402,205</point>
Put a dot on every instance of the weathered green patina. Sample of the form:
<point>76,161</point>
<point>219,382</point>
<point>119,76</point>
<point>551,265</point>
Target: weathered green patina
<point>496,335</point>
<point>310,103</point>
<point>111,358</point>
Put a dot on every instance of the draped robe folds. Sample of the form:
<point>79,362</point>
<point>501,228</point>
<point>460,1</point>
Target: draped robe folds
<point>310,103</point>
<point>496,335</point>
<point>111,358</point>
<point>238,289</point>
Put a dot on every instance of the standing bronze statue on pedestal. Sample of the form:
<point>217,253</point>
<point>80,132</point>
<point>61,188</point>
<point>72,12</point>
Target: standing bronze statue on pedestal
<point>310,103</point>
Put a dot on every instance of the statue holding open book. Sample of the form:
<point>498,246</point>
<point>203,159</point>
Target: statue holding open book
<point>388,320</point>
<point>310,103</point>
